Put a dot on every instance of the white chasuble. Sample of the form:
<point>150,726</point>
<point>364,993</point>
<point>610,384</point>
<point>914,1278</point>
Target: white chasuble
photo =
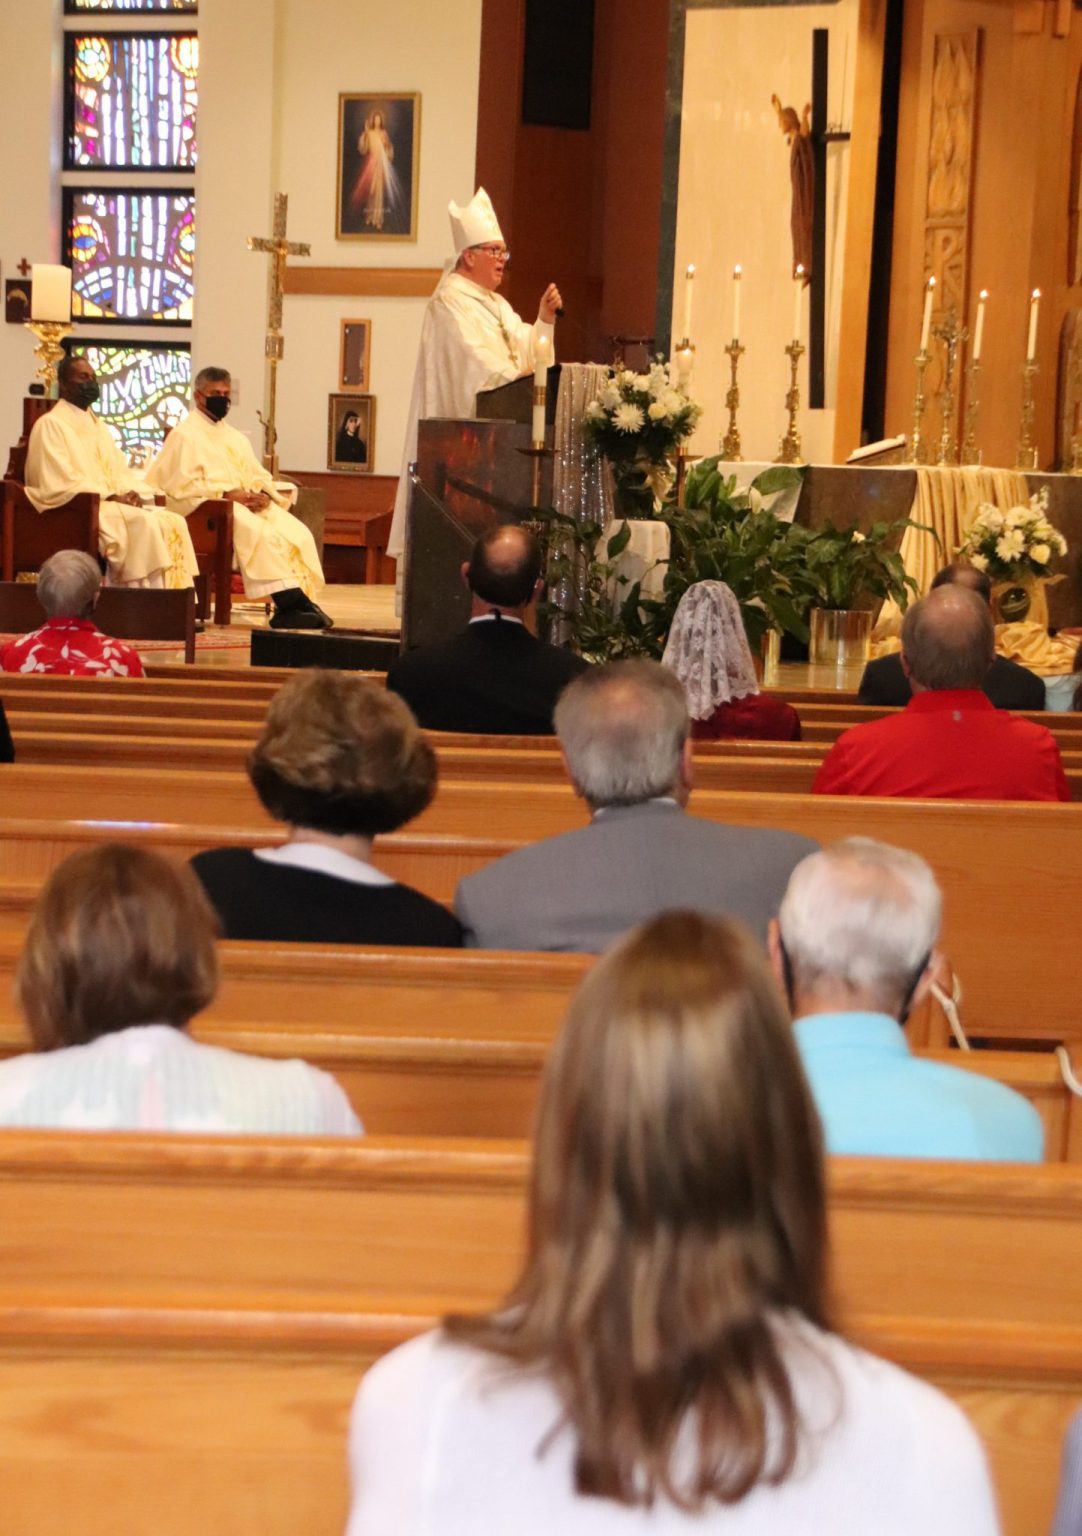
<point>471,340</point>
<point>202,460</point>
<point>71,452</point>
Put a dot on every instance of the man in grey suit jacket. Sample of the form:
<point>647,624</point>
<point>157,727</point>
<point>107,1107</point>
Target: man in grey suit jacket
<point>625,739</point>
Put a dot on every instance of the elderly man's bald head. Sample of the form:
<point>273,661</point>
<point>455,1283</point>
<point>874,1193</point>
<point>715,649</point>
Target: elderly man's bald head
<point>504,567</point>
<point>948,640</point>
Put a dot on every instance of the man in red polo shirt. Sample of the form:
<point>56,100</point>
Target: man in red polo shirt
<point>950,742</point>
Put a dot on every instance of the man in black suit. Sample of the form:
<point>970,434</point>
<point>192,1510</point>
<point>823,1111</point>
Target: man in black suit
<point>495,677</point>
<point>1008,685</point>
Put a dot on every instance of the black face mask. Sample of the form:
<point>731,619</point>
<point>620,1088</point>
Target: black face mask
<point>88,394</point>
<point>218,406</point>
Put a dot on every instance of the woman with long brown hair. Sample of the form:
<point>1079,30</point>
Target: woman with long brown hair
<point>667,1360</point>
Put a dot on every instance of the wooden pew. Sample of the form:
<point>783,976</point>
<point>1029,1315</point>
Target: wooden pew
<point>183,1321</point>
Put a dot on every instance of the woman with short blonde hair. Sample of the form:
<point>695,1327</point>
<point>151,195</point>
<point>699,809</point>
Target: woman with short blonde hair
<point>340,761</point>
<point>667,1360</point>
<point>119,958</point>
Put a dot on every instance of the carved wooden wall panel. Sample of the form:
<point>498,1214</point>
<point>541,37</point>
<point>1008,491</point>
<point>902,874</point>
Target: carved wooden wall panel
<point>1074,210</point>
<point>1069,391</point>
<point>948,206</point>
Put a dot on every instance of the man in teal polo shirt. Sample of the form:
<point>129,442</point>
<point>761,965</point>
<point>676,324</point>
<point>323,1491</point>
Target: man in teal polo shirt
<point>853,945</point>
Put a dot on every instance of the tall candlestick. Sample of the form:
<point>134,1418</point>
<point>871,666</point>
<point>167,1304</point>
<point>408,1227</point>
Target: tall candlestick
<point>685,359</point>
<point>1031,340</point>
<point>926,321</point>
<point>540,382</point>
<point>737,276</point>
<point>798,283</point>
<point>689,278</point>
<point>50,297</point>
<point>978,329</point>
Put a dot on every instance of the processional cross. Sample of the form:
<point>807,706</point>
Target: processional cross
<point>278,248</point>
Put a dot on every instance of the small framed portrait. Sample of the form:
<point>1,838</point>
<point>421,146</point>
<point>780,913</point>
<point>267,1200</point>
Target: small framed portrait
<point>379,145</point>
<point>351,433</point>
<point>356,349</point>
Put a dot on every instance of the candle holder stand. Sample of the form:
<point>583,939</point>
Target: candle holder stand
<point>971,453</point>
<point>48,350</point>
<point>789,452</point>
<point>730,443</point>
<point>951,334</point>
<point>1027,448</point>
<point>917,452</point>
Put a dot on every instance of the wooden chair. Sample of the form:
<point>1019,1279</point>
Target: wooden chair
<point>211,528</point>
<point>29,537</point>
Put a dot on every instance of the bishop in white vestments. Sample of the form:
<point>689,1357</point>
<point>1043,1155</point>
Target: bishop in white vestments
<point>205,458</point>
<point>471,339</point>
<point>71,452</point>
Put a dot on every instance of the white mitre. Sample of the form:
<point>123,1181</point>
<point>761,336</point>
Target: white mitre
<point>476,224</point>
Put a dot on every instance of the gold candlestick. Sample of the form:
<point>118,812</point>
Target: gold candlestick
<point>48,349</point>
<point>1027,448</point>
<point>951,334</point>
<point>971,454</point>
<point>917,450</point>
<point>730,443</point>
<point>789,452</point>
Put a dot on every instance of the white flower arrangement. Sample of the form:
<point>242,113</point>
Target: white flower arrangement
<point>1014,544</point>
<point>640,415</point>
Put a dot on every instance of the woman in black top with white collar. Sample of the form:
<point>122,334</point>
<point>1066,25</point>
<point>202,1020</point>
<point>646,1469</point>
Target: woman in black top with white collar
<point>339,760</point>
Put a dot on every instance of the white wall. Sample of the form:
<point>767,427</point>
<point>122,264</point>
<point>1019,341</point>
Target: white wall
<point>288,75</point>
<point>734,203</point>
<point>270,74</point>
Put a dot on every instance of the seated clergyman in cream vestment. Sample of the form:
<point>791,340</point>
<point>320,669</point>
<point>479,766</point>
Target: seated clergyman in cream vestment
<point>71,452</point>
<point>471,339</point>
<point>203,458</point>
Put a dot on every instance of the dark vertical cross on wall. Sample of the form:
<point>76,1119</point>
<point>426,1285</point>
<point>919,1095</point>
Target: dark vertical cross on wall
<point>817,322</point>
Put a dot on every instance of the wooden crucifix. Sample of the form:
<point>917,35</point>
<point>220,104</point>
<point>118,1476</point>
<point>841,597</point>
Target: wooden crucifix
<point>278,248</point>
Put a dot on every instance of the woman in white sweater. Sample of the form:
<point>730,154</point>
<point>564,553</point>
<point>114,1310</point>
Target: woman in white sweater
<point>667,1361</point>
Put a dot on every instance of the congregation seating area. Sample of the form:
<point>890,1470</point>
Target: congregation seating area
<point>243,1286</point>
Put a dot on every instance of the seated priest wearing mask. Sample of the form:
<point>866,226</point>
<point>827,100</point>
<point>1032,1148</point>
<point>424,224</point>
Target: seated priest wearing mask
<point>471,339</point>
<point>71,452</point>
<point>204,458</point>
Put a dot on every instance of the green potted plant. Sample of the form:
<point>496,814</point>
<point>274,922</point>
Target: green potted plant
<point>852,571</point>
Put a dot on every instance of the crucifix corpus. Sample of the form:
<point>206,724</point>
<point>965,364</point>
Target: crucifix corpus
<point>278,248</point>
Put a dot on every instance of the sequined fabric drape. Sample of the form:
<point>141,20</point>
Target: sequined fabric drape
<point>580,487</point>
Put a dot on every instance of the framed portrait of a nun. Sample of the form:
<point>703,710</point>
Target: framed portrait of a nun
<point>379,144</point>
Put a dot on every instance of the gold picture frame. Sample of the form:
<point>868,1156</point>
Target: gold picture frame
<point>342,444</point>
<point>379,163</point>
<point>355,356</point>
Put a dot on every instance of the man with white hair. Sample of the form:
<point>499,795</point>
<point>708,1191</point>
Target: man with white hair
<point>625,739</point>
<point>854,947</point>
<point>471,338</point>
<point>69,643</point>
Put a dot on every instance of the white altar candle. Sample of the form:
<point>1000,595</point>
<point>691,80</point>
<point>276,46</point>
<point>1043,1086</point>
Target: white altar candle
<point>926,321</point>
<point>685,358</point>
<point>50,297</point>
<point>1031,342</point>
<point>737,275</point>
<point>540,381</point>
<point>978,329</point>
<point>689,278</point>
<point>798,281</point>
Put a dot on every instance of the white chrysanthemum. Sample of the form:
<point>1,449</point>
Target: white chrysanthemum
<point>659,380</point>
<point>641,383</point>
<point>1017,517</point>
<point>992,518</point>
<point>595,411</point>
<point>610,397</point>
<point>656,411</point>
<point>1041,553</point>
<point>979,561</point>
<point>1009,547</point>
<point>628,417</point>
<point>626,378</point>
<point>674,402</point>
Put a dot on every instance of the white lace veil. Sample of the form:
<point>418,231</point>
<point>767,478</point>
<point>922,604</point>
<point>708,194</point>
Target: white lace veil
<point>708,649</point>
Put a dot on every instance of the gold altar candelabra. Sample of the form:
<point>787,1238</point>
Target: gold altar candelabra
<point>971,454</point>
<point>1027,448</point>
<point>789,452</point>
<point>50,333</point>
<point>951,334</point>
<point>730,443</point>
<point>917,450</point>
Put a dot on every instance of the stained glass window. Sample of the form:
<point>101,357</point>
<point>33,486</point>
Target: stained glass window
<point>77,7</point>
<point>131,100</point>
<point>144,391</point>
<point>132,254</point>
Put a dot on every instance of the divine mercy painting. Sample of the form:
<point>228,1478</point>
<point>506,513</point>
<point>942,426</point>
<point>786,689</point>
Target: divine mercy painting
<point>379,141</point>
